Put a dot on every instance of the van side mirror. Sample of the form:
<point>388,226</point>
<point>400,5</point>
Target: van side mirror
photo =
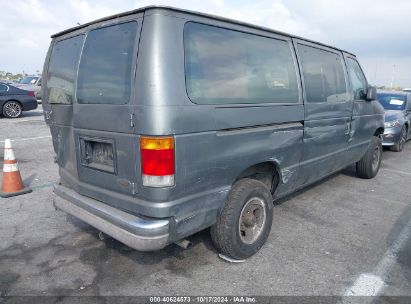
<point>371,93</point>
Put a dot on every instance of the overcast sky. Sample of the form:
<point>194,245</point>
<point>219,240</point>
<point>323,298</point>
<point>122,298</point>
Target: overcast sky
<point>377,31</point>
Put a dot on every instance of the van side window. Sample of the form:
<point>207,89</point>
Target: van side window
<point>323,73</point>
<point>358,81</point>
<point>106,65</point>
<point>62,70</point>
<point>224,66</point>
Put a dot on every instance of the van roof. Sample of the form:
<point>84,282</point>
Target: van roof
<point>145,8</point>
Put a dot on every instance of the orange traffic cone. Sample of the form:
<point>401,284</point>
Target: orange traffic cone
<point>12,184</point>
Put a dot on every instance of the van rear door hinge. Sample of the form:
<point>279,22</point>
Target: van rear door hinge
<point>132,120</point>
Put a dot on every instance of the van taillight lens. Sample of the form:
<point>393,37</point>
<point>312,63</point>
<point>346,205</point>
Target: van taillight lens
<point>157,161</point>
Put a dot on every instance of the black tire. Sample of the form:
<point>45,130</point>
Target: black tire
<point>12,109</point>
<point>399,146</point>
<point>369,165</point>
<point>227,235</point>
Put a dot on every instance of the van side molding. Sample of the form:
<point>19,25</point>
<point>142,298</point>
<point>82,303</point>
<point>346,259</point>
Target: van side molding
<point>258,128</point>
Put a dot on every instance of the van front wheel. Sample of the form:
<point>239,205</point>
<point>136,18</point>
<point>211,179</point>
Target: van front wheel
<point>369,165</point>
<point>245,222</point>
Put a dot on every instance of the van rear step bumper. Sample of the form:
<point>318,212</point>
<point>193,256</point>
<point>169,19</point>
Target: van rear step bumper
<point>136,232</point>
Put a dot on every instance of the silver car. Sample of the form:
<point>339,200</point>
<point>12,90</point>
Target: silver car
<point>31,83</point>
<point>397,124</point>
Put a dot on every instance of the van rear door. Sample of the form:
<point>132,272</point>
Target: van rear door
<point>100,142</point>
<point>58,97</point>
<point>103,114</point>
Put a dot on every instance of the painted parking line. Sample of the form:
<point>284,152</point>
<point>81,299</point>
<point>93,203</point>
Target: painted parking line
<point>41,186</point>
<point>25,120</point>
<point>396,171</point>
<point>29,138</point>
<point>371,284</point>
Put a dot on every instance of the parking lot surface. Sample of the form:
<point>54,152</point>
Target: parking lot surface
<point>333,238</point>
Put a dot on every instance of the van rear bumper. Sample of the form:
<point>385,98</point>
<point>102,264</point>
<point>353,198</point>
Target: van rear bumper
<point>140,233</point>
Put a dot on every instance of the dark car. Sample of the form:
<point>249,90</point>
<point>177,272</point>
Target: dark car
<point>6,81</point>
<point>13,101</point>
<point>397,107</point>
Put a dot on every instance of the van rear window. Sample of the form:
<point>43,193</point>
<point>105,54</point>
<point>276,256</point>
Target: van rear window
<point>106,67</point>
<point>62,70</point>
<point>225,66</point>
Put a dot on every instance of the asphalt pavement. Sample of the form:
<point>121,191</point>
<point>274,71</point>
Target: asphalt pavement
<point>342,236</point>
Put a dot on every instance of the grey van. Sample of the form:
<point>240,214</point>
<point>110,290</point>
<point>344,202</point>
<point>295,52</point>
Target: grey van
<point>166,122</point>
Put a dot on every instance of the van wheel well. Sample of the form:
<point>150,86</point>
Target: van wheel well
<point>267,173</point>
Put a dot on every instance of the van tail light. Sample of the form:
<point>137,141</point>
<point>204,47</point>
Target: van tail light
<point>31,93</point>
<point>157,161</point>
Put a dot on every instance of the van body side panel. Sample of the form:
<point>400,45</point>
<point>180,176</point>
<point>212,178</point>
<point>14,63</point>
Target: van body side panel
<point>363,126</point>
<point>160,73</point>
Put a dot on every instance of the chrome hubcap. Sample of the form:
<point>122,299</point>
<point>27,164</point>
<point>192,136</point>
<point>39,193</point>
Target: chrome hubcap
<point>376,158</point>
<point>12,109</point>
<point>252,220</point>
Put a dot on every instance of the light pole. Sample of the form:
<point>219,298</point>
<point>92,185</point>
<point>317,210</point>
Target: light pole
<point>392,75</point>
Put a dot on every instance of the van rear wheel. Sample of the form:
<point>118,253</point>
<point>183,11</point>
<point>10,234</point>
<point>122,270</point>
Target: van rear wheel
<point>245,222</point>
<point>369,165</point>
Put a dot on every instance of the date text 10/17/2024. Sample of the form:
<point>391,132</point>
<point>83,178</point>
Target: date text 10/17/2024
<point>202,299</point>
